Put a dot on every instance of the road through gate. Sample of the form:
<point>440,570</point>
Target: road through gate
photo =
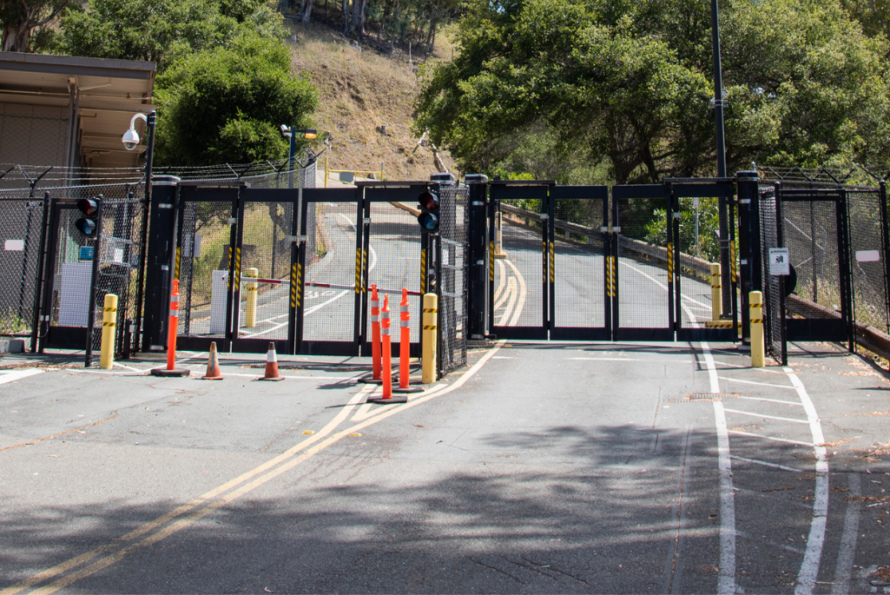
<point>565,269</point>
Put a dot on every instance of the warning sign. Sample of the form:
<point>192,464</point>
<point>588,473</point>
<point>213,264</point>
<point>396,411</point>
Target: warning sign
<point>779,262</point>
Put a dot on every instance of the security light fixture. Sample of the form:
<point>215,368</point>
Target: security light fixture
<point>131,137</point>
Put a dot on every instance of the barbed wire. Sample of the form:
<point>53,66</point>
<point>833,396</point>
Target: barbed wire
<point>854,175</point>
<point>15,176</point>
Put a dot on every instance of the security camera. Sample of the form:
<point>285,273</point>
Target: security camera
<point>130,139</point>
<point>285,131</point>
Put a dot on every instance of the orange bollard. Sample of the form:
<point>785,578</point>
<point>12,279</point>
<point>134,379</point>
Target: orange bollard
<point>387,350</point>
<point>173,328</point>
<point>387,398</point>
<point>405,350</point>
<point>375,331</point>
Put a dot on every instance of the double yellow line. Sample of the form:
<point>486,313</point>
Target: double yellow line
<point>191,512</point>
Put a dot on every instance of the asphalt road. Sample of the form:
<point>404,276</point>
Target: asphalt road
<point>543,468</point>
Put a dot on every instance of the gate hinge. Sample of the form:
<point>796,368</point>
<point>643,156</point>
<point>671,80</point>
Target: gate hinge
<point>676,215</point>
<point>477,203</point>
<point>165,205</point>
<point>744,201</point>
<point>233,220</point>
<point>294,239</point>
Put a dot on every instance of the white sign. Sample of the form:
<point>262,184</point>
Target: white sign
<point>779,262</point>
<point>14,245</point>
<point>868,256</point>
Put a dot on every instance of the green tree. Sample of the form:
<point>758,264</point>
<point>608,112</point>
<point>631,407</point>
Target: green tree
<point>225,104</point>
<point>24,24</point>
<point>160,30</point>
<point>628,84</point>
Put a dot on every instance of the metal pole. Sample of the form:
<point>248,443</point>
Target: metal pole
<point>143,252</point>
<point>290,158</point>
<point>721,154</point>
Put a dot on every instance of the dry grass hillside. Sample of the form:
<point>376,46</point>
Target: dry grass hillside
<point>366,103</point>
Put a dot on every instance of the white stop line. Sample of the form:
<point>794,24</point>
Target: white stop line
<point>13,375</point>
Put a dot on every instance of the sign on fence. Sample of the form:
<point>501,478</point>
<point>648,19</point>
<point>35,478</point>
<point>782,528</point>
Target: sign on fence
<point>779,262</point>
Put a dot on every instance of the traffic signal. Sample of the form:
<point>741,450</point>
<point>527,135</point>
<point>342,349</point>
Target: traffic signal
<point>88,224</point>
<point>429,211</point>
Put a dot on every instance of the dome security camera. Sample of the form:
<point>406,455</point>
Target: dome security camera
<point>130,139</point>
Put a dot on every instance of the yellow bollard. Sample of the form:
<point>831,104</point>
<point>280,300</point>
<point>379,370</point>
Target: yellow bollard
<point>716,293</point>
<point>755,300</point>
<point>250,309</point>
<point>430,337</point>
<point>109,324</point>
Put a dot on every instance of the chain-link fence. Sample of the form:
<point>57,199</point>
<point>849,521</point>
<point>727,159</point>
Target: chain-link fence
<point>452,278</point>
<point>773,295</point>
<point>21,229</point>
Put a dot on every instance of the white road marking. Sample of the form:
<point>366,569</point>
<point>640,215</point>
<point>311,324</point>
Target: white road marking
<point>772,401</point>
<point>605,359</point>
<point>766,464</point>
<point>726,578</point>
<point>809,567</point>
<point>757,383</point>
<point>843,569</point>
<point>501,284</point>
<point>773,438</point>
<point>523,293</point>
<point>513,295</point>
<point>13,375</point>
<point>752,414</point>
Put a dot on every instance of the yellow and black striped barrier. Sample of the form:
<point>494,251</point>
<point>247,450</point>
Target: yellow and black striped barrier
<point>109,324</point>
<point>252,288</point>
<point>716,293</point>
<point>430,337</point>
<point>755,301</point>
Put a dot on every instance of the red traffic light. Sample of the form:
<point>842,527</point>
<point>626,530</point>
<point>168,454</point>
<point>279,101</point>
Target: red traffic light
<point>428,201</point>
<point>88,206</point>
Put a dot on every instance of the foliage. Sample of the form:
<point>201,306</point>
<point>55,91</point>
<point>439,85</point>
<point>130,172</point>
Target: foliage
<point>705,245</point>
<point>226,103</point>
<point>26,24</point>
<point>628,84</point>
<point>159,30</point>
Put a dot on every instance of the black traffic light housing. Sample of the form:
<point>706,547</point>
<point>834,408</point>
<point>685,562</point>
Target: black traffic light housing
<point>88,224</point>
<point>429,212</point>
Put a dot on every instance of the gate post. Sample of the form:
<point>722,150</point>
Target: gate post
<point>749,246</point>
<point>479,258</point>
<point>162,225</point>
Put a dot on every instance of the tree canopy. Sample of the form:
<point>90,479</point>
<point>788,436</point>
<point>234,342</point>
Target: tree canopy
<point>224,84</point>
<point>226,104</point>
<point>628,84</point>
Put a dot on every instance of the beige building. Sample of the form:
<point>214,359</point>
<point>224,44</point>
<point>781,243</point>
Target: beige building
<point>71,111</point>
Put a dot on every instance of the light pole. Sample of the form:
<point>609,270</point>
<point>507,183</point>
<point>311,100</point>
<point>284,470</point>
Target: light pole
<point>130,140</point>
<point>721,157</point>
<point>290,133</point>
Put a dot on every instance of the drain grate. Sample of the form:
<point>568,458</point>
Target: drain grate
<point>711,396</point>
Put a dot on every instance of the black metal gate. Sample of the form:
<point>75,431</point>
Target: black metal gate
<point>812,224</point>
<point>640,277</point>
<point>295,266</point>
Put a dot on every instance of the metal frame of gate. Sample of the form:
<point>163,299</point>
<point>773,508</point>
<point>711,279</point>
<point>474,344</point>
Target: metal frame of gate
<point>623,320</point>
<point>830,324</point>
<point>361,203</point>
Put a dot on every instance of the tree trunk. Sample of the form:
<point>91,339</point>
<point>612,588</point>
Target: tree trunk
<point>306,12</point>
<point>16,37</point>
<point>346,15</point>
<point>358,17</point>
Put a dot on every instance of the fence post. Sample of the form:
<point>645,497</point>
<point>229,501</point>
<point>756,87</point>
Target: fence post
<point>159,255</point>
<point>749,245</point>
<point>479,258</point>
<point>250,307</point>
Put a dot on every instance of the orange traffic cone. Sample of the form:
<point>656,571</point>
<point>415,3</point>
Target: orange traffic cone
<point>213,371</point>
<point>271,364</point>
